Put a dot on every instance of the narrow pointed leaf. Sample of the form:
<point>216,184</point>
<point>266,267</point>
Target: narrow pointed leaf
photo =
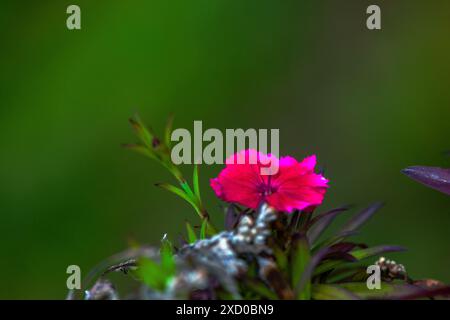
<point>141,131</point>
<point>373,251</point>
<point>187,189</point>
<point>141,149</point>
<point>261,289</point>
<point>300,260</point>
<point>332,292</point>
<point>304,282</point>
<point>347,246</point>
<point>231,217</point>
<point>359,219</point>
<point>179,193</point>
<point>327,266</point>
<point>334,239</point>
<point>152,274</point>
<point>342,274</point>
<point>192,237</point>
<point>320,225</point>
<point>433,177</point>
<point>340,256</point>
<point>203,229</point>
<point>195,182</point>
<point>325,214</point>
<point>168,131</point>
<point>166,253</point>
<point>281,258</point>
<point>387,291</point>
<point>210,229</point>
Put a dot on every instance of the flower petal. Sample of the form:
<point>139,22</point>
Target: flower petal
<point>294,187</point>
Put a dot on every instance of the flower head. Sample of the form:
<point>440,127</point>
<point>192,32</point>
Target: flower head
<point>294,187</point>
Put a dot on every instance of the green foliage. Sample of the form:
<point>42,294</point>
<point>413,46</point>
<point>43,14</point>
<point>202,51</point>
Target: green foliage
<point>152,274</point>
<point>157,275</point>
<point>181,193</point>
<point>203,229</point>
<point>333,268</point>
<point>260,290</point>
<point>301,256</point>
<point>330,292</point>
<point>159,150</point>
<point>192,237</point>
<point>196,183</point>
<point>167,256</point>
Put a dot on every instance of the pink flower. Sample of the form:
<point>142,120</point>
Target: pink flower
<point>294,187</point>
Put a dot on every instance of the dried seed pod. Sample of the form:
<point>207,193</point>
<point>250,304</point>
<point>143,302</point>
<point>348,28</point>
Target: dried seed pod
<point>391,270</point>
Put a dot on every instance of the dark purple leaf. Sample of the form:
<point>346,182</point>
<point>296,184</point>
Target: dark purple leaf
<point>346,246</point>
<point>411,292</point>
<point>335,239</point>
<point>231,217</point>
<point>430,288</point>
<point>359,219</point>
<point>444,291</point>
<point>321,222</point>
<point>340,256</point>
<point>433,177</point>
<point>328,213</point>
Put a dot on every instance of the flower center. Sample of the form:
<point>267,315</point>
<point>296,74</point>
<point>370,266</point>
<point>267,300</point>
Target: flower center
<point>266,189</point>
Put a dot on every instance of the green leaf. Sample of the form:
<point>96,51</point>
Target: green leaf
<point>168,131</point>
<point>187,189</point>
<point>327,266</point>
<point>203,229</point>
<point>300,259</point>
<point>331,292</point>
<point>192,237</point>
<point>141,149</point>
<point>360,289</point>
<point>261,289</point>
<point>141,131</point>
<point>179,192</point>
<point>195,182</point>
<point>370,252</point>
<point>167,257</point>
<point>152,274</point>
<point>345,271</point>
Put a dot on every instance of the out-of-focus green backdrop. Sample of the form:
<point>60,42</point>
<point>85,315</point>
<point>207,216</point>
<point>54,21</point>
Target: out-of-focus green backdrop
<point>368,103</point>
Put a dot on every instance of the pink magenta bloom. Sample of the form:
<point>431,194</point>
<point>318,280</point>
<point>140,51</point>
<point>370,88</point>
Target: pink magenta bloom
<point>294,187</point>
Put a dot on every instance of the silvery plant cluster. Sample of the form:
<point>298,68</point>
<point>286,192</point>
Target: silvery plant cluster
<point>207,264</point>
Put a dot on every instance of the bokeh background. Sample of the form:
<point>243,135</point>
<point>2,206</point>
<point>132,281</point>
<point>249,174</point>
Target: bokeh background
<point>368,103</point>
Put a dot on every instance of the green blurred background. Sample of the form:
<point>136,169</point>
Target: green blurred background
<point>368,103</point>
